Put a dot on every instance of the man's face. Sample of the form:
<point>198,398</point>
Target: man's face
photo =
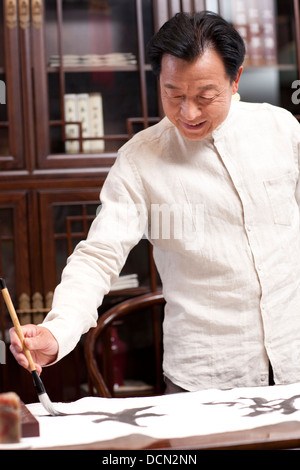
<point>196,96</point>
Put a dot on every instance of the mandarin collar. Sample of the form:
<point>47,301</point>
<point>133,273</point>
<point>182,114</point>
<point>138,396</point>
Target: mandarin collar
<point>221,129</point>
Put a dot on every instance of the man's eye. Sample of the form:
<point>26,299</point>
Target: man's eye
<point>207,98</point>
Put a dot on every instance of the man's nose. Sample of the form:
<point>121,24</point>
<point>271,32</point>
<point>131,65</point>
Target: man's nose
<point>190,110</point>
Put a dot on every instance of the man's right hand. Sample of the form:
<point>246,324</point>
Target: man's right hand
<point>40,342</point>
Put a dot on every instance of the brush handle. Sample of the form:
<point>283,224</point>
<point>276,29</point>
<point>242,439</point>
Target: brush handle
<point>16,323</point>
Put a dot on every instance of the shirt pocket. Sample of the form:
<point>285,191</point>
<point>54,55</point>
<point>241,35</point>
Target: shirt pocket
<point>281,194</point>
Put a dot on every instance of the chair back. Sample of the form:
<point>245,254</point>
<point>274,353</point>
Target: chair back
<point>103,380</point>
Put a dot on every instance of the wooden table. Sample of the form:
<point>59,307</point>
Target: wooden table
<point>265,418</point>
<point>275,437</point>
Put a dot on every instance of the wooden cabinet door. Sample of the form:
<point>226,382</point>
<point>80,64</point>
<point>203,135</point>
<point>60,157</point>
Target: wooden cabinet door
<point>65,217</point>
<point>14,262</point>
<point>12,154</point>
<point>91,80</point>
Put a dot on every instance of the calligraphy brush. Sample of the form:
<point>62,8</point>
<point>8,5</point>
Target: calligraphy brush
<point>38,384</point>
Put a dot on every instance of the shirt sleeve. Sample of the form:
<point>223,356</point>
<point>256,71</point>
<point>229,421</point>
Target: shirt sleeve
<point>97,261</point>
<point>297,147</point>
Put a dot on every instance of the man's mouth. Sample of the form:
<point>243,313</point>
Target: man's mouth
<point>195,126</point>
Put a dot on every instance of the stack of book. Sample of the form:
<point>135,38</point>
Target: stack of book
<point>255,21</point>
<point>125,281</point>
<point>115,59</point>
<point>87,109</point>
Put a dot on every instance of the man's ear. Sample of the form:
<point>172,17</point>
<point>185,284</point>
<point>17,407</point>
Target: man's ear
<point>235,84</point>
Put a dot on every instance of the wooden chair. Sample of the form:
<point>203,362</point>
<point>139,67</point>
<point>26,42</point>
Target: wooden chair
<point>100,373</point>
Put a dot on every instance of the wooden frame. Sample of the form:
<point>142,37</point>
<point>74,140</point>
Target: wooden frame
<point>103,381</point>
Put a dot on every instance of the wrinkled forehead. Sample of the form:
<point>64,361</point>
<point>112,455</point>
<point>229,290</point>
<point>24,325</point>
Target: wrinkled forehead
<point>207,72</point>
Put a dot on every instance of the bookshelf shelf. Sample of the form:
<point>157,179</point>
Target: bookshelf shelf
<point>102,69</point>
<point>278,67</point>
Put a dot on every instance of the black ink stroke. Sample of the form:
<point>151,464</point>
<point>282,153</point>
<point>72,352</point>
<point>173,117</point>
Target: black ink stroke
<point>127,416</point>
<point>261,406</point>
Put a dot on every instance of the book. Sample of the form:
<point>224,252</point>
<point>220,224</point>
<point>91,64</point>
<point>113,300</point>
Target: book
<point>255,21</point>
<point>114,59</point>
<point>240,21</point>
<point>86,109</point>
<point>96,122</point>
<point>83,107</point>
<point>71,130</point>
<point>267,8</point>
<point>256,51</point>
<point>125,281</point>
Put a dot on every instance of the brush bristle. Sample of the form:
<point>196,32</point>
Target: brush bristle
<point>47,404</point>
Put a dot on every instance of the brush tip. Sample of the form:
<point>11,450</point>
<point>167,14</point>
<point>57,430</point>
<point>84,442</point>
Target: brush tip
<point>2,283</point>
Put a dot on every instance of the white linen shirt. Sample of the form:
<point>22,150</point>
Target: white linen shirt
<point>228,255</point>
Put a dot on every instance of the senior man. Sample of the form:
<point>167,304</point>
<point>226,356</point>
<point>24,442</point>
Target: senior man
<point>231,279</point>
